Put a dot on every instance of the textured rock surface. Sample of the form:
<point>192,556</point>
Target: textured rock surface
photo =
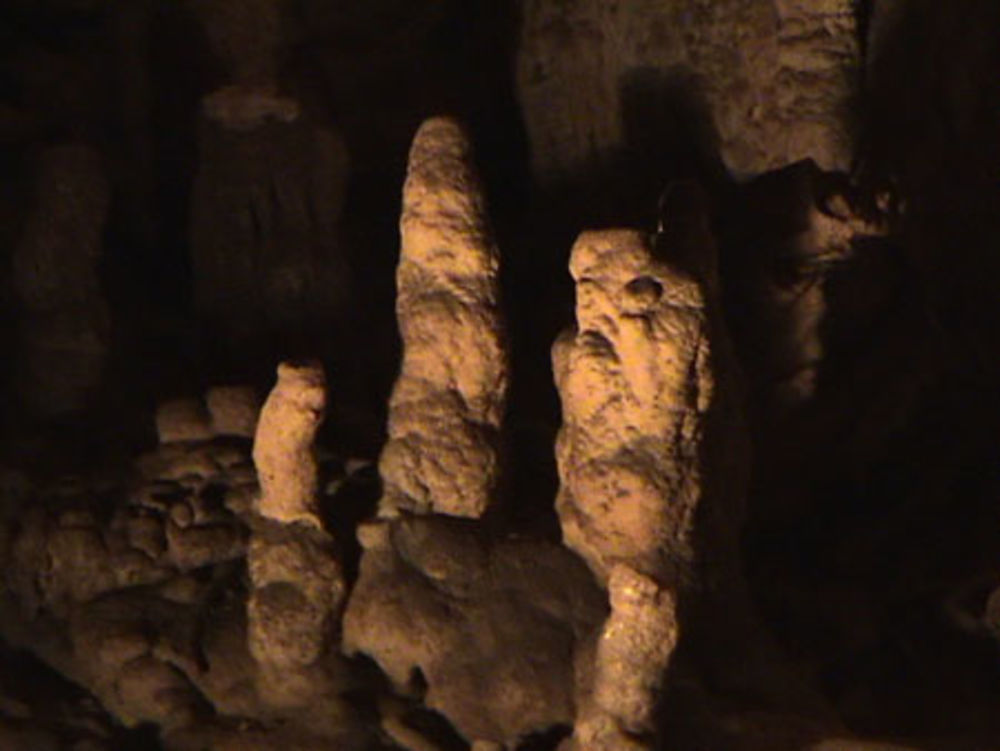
<point>296,581</point>
<point>64,319</point>
<point>775,75</point>
<point>490,629</point>
<point>284,448</point>
<point>651,455</point>
<point>636,385</point>
<point>446,406</point>
<point>233,410</point>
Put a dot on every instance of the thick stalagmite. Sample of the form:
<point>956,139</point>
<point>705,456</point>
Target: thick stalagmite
<point>296,580</point>
<point>641,400</point>
<point>447,404</point>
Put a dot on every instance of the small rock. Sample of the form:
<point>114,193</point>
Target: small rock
<point>183,420</point>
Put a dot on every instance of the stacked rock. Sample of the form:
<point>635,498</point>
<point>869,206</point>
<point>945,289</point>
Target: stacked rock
<point>640,394</point>
<point>296,581</point>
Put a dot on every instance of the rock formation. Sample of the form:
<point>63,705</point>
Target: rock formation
<point>296,580</point>
<point>447,404</point>
<point>482,632</point>
<point>64,320</point>
<point>643,489</point>
<point>775,76</point>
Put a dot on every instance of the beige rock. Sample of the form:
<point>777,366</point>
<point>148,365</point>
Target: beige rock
<point>631,659</point>
<point>182,420</point>
<point>283,447</point>
<point>635,384</point>
<point>446,406</point>
<point>234,410</point>
<point>298,586</point>
<point>489,628</point>
<point>651,454</point>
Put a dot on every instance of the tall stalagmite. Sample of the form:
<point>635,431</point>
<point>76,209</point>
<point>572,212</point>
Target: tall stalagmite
<point>641,400</point>
<point>447,404</point>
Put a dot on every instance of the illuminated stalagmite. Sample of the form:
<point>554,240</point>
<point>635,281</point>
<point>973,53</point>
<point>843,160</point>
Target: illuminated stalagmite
<point>640,397</point>
<point>490,626</point>
<point>296,580</point>
<point>446,406</point>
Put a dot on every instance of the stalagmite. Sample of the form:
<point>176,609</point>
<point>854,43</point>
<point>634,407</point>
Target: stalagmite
<point>296,580</point>
<point>447,404</point>
<point>637,501</point>
<point>284,445</point>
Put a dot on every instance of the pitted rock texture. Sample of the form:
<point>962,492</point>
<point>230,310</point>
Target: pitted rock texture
<point>447,404</point>
<point>636,383</point>
<point>774,75</point>
<point>64,326</point>
<point>284,449</point>
<point>297,585</point>
<point>490,628</point>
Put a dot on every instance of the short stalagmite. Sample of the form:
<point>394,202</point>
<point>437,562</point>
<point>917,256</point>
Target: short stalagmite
<point>296,580</point>
<point>637,386</point>
<point>284,445</point>
<point>447,404</point>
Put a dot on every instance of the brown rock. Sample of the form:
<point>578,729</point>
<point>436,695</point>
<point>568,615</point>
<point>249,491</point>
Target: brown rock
<point>491,629</point>
<point>297,588</point>
<point>775,76</point>
<point>635,384</point>
<point>446,406</point>
<point>182,420</point>
<point>651,456</point>
<point>234,410</point>
<point>284,450</point>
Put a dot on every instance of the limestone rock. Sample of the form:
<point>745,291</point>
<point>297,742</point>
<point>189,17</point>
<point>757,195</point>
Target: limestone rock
<point>652,454</point>
<point>284,451</point>
<point>234,410</point>
<point>447,404</point>
<point>489,629</point>
<point>775,76</point>
<point>65,324</point>
<point>298,587</point>
<point>635,383</point>
<point>182,420</point>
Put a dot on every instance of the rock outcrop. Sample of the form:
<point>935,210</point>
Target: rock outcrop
<point>296,581</point>
<point>774,75</point>
<point>483,632</point>
<point>447,404</point>
<point>651,455</point>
